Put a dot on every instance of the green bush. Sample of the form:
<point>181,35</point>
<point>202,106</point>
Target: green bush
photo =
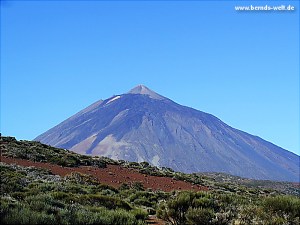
<point>174,211</point>
<point>140,214</point>
<point>138,186</point>
<point>143,202</point>
<point>43,202</point>
<point>19,195</point>
<point>283,205</point>
<point>21,214</point>
<point>12,180</point>
<point>199,216</point>
<point>124,186</point>
<point>266,215</point>
<point>106,217</point>
<point>198,208</point>
<point>106,201</point>
<point>81,178</point>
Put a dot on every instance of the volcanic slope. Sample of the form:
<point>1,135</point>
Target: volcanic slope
<point>142,125</point>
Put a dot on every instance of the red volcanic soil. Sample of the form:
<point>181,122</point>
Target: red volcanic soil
<point>113,175</point>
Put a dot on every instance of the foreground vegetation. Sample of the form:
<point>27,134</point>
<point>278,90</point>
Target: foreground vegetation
<point>36,196</point>
<point>218,208</point>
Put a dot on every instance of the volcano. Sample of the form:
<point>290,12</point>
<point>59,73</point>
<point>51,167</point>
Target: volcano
<point>142,125</point>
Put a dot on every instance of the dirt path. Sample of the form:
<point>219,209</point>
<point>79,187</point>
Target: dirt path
<point>113,175</point>
<point>153,220</point>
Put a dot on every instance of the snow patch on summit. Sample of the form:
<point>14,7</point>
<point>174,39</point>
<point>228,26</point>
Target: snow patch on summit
<point>113,99</point>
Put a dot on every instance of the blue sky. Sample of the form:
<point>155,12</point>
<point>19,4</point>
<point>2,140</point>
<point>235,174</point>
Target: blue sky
<point>58,57</point>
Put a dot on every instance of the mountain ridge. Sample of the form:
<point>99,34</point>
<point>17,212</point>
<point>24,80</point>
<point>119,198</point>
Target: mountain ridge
<point>142,125</point>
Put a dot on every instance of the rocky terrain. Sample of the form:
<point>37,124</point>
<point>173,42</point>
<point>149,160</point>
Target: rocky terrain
<point>41,184</point>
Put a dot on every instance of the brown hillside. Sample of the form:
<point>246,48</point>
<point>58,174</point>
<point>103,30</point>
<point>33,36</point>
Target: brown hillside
<point>113,175</point>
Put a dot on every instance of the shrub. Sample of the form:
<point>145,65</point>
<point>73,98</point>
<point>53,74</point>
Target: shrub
<point>105,217</point>
<point>283,204</point>
<point>106,201</point>
<point>43,202</point>
<point>81,178</point>
<point>137,186</point>
<point>198,208</point>
<point>124,186</point>
<point>12,180</point>
<point>140,214</point>
<point>199,216</point>
<point>174,211</point>
<point>143,202</point>
<point>21,214</point>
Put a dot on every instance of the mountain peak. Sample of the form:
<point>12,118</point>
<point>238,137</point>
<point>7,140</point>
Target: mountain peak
<point>166,134</point>
<point>143,90</point>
